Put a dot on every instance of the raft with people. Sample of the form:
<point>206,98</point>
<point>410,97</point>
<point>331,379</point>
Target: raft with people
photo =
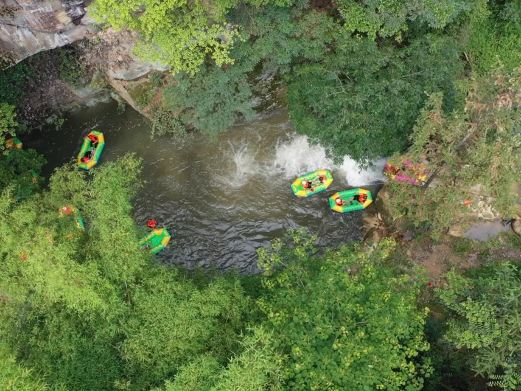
<point>13,143</point>
<point>157,239</point>
<point>72,211</point>
<point>91,150</point>
<point>312,183</point>
<point>350,200</point>
<point>407,171</point>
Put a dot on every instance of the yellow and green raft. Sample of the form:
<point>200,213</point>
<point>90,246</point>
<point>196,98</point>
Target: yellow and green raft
<point>316,184</point>
<point>13,143</point>
<point>78,219</point>
<point>350,198</point>
<point>156,240</point>
<point>87,146</point>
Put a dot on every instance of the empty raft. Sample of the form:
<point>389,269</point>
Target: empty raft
<point>91,150</point>
<point>156,240</point>
<point>316,182</point>
<point>350,200</point>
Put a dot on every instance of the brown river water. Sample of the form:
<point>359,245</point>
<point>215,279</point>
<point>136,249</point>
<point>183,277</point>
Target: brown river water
<point>222,197</point>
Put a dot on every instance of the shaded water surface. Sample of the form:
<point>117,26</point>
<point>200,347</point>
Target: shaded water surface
<point>224,196</point>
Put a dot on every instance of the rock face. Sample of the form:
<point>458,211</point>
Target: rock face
<point>30,26</point>
<point>113,52</point>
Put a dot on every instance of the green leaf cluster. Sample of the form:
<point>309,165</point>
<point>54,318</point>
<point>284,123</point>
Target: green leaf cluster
<point>473,150</point>
<point>8,123</point>
<point>364,92</point>
<point>344,321</point>
<point>483,309</point>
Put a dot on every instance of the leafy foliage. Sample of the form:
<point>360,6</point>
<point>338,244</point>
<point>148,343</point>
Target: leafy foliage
<point>14,377</point>
<point>474,148</point>
<point>483,310</point>
<point>386,18</point>
<point>8,122</point>
<point>13,81</point>
<point>215,98</point>
<point>70,68</point>
<point>174,323</point>
<point>164,123</point>
<point>20,170</point>
<point>84,308</point>
<point>344,321</point>
<point>177,33</point>
<point>363,92</point>
<point>495,36</point>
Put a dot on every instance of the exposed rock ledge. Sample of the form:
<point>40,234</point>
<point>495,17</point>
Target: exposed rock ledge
<point>30,26</point>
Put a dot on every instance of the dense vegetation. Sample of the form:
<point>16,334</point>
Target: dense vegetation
<point>352,68</point>
<point>431,81</point>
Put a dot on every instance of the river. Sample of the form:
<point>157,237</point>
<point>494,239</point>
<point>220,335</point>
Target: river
<point>224,196</point>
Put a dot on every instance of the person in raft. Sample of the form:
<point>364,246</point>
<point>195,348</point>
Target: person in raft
<point>307,185</point>
<point>66,210</point>
<point>152,223</point>
<point>361,198</point>
<point>88,155</point>
<point>339,201</point>
<point>94,143</point>
<point>93,139</point>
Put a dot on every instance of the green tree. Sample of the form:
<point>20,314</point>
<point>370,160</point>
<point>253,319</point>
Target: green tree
<point>177,33</point>
<point>174,323</point>
<point>347,320</point>
<point>14,377</point>
<point>483,309</point>
<point>8,123</point>
<point>85,309</point>
<point>387,18</point>
<point>258,367</point>
<point>61,311</point>
<point>474,148</point>
<point>20,170</point>
<point>216,97</point>
<point>494,36</point>
<point>365,92</point>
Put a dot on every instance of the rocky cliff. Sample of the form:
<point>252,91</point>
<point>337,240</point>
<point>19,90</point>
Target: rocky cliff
<point>30,26</point>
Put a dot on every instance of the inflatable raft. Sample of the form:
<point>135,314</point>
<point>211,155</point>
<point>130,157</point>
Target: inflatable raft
<point>156,241</point>
<point>88,146</point>
<point>406,171</point>
<point>72,211</point>
<point>350,200</point>
<point>319,181</point>
<point>13,143</point>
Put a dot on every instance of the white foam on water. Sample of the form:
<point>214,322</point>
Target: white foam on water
<point>244,165</point>
<point>297,156</point>
<point>293,157</point>
<point>357,175</point>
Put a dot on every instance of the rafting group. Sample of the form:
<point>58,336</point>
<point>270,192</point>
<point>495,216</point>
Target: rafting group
<point>306,185</point>
<point>345,201</point>
<point>89,155</point>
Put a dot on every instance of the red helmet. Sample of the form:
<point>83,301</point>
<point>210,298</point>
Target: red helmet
<point>151,223</point>
<point>92,137</point>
